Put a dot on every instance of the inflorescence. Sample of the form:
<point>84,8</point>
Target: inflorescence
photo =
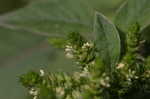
<point>92,81</point>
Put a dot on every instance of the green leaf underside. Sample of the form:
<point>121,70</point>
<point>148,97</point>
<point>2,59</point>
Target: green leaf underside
<point>107,40</point>
<point>131,12</point>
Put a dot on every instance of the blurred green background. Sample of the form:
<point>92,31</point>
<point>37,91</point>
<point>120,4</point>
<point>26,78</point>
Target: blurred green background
<point>21,52</point>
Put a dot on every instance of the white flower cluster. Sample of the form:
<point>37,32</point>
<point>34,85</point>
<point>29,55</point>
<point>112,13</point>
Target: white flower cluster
<point>87,45</point>
<point>69,51</point>
<point>42,73</point>
<point>76,94</point>
<point>85,72</point>
<point>120,66</point>
<point>104,81</point>
<point>131,74</point>
<point>33,92</point>
<point>60,91</point>
<point>147,74</point>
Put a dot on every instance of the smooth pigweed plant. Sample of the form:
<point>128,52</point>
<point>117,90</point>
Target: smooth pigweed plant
<point>113,64</point>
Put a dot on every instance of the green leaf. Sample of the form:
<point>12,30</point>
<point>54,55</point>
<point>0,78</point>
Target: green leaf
<point>24,34</point>
<point>28,28</point>
<point>23,39</point>
<point>107,40</point>
<point>57,42</point>
<point>52,17</point>
<point>131,12</point>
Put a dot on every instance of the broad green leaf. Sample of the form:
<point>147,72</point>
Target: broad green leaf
<point>131,12</point>
<point>24,37</point>
<point>23,40</point>
<point>107,40</point>
<point>52,16</point>
<point>55,16</point>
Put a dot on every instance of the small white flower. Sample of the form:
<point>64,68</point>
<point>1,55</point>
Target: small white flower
<point>104,83</point>
<point>69,55</point>
<point>69,46</point>
<point>87,45</point>
<point>107,78</point>
<point>133,72</point>
<point>85,69</point>
<point>93,63</point>
<point>68,50</point>
<point>104,74</point>
<point>136,77</point>
<point>42,73</point>
<point>33,92</point>
<point>84,74</point>
<point>35,97</point>
<point>107,85</point>
<point>121,65</point>
<point>129,79</point>
<point>60,91</point>
<point>76,94</point>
